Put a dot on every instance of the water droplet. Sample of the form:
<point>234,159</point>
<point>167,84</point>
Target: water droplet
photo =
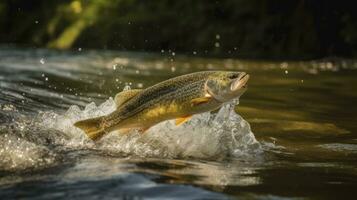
<point>217,44</point>
<point>173,69</point>
<point>114,66</point>
<point>126,87</point>
<point>286,71</point>
<point>137,71</point>
<point>42,61</point>
<point>173,54</point>
<point>194,53</point>
<point>79,49</point>
<point>218,37</point>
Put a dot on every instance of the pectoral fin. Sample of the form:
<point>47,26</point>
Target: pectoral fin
<point>200,100</point>
<point>182,120</point>
<point>125,96</point>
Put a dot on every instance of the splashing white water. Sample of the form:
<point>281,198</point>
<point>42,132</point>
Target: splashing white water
<point>40,142</point>
<point>205,136</point>
<point>19,154</point>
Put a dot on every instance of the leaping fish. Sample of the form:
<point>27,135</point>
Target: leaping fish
<point>176,98</point>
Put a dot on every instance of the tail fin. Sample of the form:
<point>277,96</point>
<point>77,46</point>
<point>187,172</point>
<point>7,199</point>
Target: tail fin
<point>92,127</point>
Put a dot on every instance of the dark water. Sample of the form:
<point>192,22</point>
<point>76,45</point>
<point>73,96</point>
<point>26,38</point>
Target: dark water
<point>295,135</point>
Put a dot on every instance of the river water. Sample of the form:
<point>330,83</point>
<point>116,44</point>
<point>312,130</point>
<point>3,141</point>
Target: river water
<point>293,134</point>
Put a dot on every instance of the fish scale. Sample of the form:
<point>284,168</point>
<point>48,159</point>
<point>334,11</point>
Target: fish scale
<point>169,90</point>
<point>179,98</point>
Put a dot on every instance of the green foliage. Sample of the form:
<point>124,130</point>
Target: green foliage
<point>250,28</point>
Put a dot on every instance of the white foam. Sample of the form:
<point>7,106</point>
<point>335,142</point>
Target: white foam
<point>205,136</point>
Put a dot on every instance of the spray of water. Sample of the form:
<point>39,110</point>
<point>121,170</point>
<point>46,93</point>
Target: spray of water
<point>206,136</point>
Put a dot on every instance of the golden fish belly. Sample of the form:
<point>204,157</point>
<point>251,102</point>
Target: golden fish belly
<point>166,111</point>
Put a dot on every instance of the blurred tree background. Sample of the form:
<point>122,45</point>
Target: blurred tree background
<point>236,28</point>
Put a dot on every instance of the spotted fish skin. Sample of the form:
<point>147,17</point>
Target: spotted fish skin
<point>179,97</point>
<point>172,95</point>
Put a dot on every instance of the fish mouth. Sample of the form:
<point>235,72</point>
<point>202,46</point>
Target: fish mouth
<point>240,82</point>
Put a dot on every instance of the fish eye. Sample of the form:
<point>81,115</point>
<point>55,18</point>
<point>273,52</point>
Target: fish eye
<point>233,76</point>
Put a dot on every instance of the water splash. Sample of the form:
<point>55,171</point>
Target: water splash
<point>205,136</point>
<point>17,151</point>
<point>19,154</point>
<point>39,142</point>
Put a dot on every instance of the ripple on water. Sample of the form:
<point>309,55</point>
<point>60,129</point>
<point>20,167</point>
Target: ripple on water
<point>350,148</point>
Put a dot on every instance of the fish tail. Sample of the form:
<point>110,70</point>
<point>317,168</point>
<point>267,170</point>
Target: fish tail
<point>92,127</point>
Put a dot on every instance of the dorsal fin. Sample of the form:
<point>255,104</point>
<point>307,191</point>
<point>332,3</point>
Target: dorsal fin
<point>125,96</point>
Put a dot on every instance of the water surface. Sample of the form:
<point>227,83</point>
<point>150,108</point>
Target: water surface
<point>294,135</point>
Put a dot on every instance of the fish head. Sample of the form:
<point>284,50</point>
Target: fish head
<point>225,86</point>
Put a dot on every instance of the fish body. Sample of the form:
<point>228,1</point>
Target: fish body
<point>177,98</point>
